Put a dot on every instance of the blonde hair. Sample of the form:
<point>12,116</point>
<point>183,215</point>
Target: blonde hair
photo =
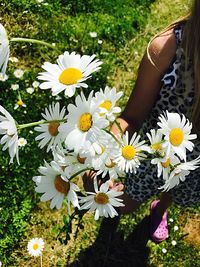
<point>191,46</point>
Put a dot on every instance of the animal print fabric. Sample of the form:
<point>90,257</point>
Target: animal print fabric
<point>174,96</point>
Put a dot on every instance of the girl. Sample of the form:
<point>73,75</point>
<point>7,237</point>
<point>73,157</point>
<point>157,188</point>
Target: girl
<point>168,79</point>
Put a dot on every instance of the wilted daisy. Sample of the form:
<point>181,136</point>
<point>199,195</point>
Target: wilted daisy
<point>4,50</point>
<point>130,153</point>
<point>35,247</point>
<point>70,72</point>
<point>102,201</point>
<point>179,173</point>
<point>177,133</point>
<point>9,131</point>
<point>55,185</point>
<point>106,101</point>
<point>18,73</point>
<point>50,134</point>
<point>22,142</point>
<point>83,123</point>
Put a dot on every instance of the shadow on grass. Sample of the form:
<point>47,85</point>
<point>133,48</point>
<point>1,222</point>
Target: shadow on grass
<point>111,249</point>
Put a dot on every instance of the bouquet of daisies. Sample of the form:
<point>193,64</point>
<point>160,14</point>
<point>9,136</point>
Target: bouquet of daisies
<point>80,138</point>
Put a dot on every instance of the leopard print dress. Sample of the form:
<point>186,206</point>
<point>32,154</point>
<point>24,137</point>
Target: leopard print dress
<point>173,97</point>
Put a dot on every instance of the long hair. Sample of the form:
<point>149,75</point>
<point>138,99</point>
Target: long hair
<point>191,46</point>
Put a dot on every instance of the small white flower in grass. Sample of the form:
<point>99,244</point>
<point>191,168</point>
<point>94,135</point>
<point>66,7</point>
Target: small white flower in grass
<point>106,101</point>
<point>3,77</point>
<point>130,153</point>
<point>15,87</point>
<point>18,73</point>
<point>13,59</point>
<point>22,142</point>
<point>93,34</point>
<point>102,201</point>
<point>35,247</point>
<point>174,242</point>
<point>4,50</point>
<point>55,185</point>
<point>35,84</point>
<point>30,90</point>
<point>0,263</point>
<point>164,250</point>
<point>177,133</point>
<point>70,72</point>
<point>176,228</point>
<point>49,132</point>
<point>100,41</point>
<point>9,131</point>
<point>179,173</point>
<point>171,220</point>
<point>19,104</point>
<point>83,123</point>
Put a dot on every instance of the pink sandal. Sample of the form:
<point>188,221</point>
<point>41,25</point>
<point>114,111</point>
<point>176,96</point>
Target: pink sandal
<point>158,225</point>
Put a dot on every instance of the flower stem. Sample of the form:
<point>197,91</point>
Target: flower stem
<point>41,260</point>
<point>118,126</point>
<point>77,173</point>
<point>34,41</point>
<point>31,124</point>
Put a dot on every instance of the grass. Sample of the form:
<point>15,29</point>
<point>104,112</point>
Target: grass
<point>126,244</point>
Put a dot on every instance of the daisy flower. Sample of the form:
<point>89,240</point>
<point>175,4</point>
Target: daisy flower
<point>93,34</point>
<point>130,153</point>
<point>3,77</point>
<point>9,131</point>
<point>106,101</point>
<point>102,201</point>
<point>50,134</point>
<point>179,173</point>
<point>18,73</point>
<point>70,72</point>
<point>177,133</point>
<point>35,247</point>
<point>155,139</point>
<point>22,142</point>
<point>55,185</point>
<point>4,50</point>
<point>83,123</point>
<point>15,87</point>
<point>19,103</point>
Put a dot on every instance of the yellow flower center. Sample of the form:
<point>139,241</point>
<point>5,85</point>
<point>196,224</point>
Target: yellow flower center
<point>176,136</point>
<point>20,102</point>
<point>128,152</point>
<point>81,160</point>
<point>35,246</point>
<point>101,198</point>
<point>70,76</point>
<point>166,163</point>
<point>156,146</point>
<point>107,104</point>
<point>53,128</point>
<point>85,122</point>
<point>61,185</point>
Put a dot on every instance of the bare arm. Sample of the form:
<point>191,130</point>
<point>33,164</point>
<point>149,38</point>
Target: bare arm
<point>147,87</point>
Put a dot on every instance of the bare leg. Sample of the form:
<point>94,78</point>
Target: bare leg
<point>165,202</point>
<point>131,205</point>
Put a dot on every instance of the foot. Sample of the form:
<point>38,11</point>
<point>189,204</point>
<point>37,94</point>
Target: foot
<point>158,224</point>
